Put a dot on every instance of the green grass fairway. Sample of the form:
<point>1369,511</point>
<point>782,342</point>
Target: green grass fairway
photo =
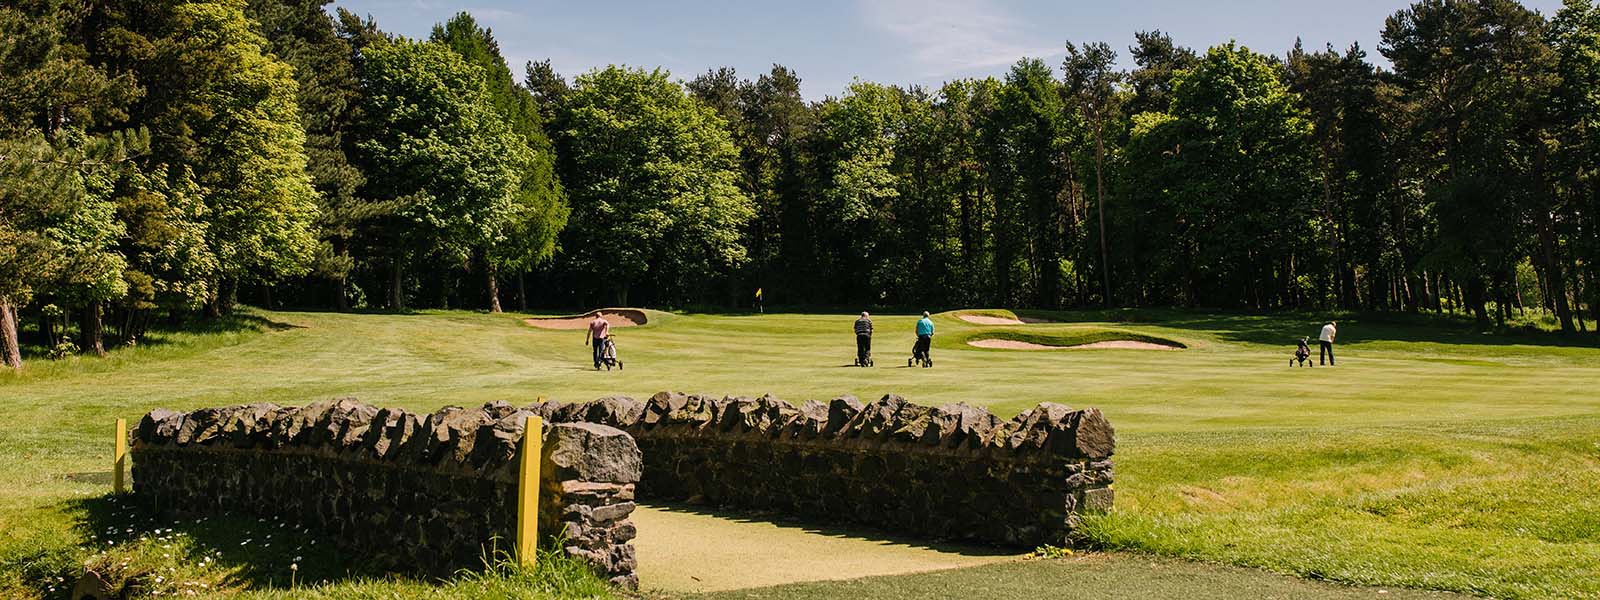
<point>1430,458</point>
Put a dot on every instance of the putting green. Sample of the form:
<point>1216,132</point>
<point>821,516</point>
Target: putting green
<point>684,549</point>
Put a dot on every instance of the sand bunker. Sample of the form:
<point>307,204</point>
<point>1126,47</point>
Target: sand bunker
<point>987,320</point>
<point>983,320</point>
<point>1109,345</point>
<point>617,317</point>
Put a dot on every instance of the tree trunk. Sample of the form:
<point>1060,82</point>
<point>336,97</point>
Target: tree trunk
<point>1477,298</point>
<point>214,304</point>
<point>125,330</point>
<point>12,348</point>
<point>522,290</point>
<point>47,329</point>
<point>491,273</point>
<point>397,296</point>
<point>1443,288</point>
<point>1553,273</point>
<point>1542,279</point>
<point>1100,207</point>
<point>90,329</point>
<point>1457,299</point>
<point>228,298</point>
<point>341,300</point>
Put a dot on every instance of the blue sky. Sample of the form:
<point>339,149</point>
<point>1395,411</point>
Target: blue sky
<point>830,42</point>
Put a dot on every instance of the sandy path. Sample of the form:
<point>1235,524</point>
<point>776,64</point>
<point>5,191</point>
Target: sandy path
<point>1111,345</point>
<point>682,551</point>
<point>618,317</point>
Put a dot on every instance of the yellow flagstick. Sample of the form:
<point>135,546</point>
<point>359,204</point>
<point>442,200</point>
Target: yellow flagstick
<point>528,491</point>
<point>119,458</point>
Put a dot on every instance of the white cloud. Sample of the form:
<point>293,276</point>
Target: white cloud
<point>489,14</point>
<point>948,37</point>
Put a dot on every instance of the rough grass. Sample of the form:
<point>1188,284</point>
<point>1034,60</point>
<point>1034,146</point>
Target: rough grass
<point>1431,457</point>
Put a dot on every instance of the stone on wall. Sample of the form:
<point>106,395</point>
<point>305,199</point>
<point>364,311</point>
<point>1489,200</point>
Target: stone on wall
<point>430,491</point>
<point>953,472</point>
<point>432,494</point>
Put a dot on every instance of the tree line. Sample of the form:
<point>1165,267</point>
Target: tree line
<point>161,159</point>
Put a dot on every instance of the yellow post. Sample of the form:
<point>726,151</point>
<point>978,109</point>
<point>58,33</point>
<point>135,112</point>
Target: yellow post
<point>528,491</point>
<point>119,458</point>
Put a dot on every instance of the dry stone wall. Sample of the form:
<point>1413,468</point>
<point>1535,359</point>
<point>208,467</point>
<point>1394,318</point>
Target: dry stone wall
<point>434,492</point>
<point>431,493</point>
<point>951,472</point>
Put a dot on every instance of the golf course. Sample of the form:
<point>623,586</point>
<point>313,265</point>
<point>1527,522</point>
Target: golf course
<point>1430,458</point>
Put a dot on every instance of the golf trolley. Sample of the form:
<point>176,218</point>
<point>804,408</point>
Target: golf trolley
<point>609,355</point>
<point>919,354</point>
<point>1302,355</point>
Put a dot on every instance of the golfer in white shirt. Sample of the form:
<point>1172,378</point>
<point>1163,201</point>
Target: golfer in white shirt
<point>1328,332</point>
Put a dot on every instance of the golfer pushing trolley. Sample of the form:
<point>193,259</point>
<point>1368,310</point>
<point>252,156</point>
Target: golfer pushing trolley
<point>599,337</point>
<point>919,352</point>
<point>864,340</point>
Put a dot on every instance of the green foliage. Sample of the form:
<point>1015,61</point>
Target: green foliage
<point>1463,179</point>
<point>165,243</point>
<point>226,110</point>
<point>856,185</point>
<point>538,212</point>
<point>1224,179</point>
<point>771,125</point>
<point>1048,551</point>
<point>1475,70</point>
<point>1159,61</point>
<point>652,177</point>
<point>302,34</point>
<point>430,139</point>
<point>58,231</point>
<point>56,224</point>
<point>1033,126</point>
<point>62,349</point>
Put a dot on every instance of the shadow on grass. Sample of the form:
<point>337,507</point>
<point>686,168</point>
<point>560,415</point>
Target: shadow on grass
<point>810,526</point>
<point>363,310</point>
<point>1354,327</point>
<point>234,323</point>
<point>166,333</point>
<point>255,553</point>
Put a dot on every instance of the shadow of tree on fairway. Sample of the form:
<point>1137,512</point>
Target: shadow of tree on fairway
<point>162,333</point>
<point>1354,327</point>
<point>811,526</point>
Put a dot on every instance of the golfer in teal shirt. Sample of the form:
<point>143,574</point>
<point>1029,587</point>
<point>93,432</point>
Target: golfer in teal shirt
<point>919,353</point>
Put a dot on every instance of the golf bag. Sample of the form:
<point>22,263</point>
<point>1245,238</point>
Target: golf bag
<point>1302,354</point>
<point>919,352</point>
<point>609,355</point>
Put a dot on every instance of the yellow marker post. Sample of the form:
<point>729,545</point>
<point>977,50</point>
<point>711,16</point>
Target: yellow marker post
<point>119,458</point>
<point>528,491</point>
